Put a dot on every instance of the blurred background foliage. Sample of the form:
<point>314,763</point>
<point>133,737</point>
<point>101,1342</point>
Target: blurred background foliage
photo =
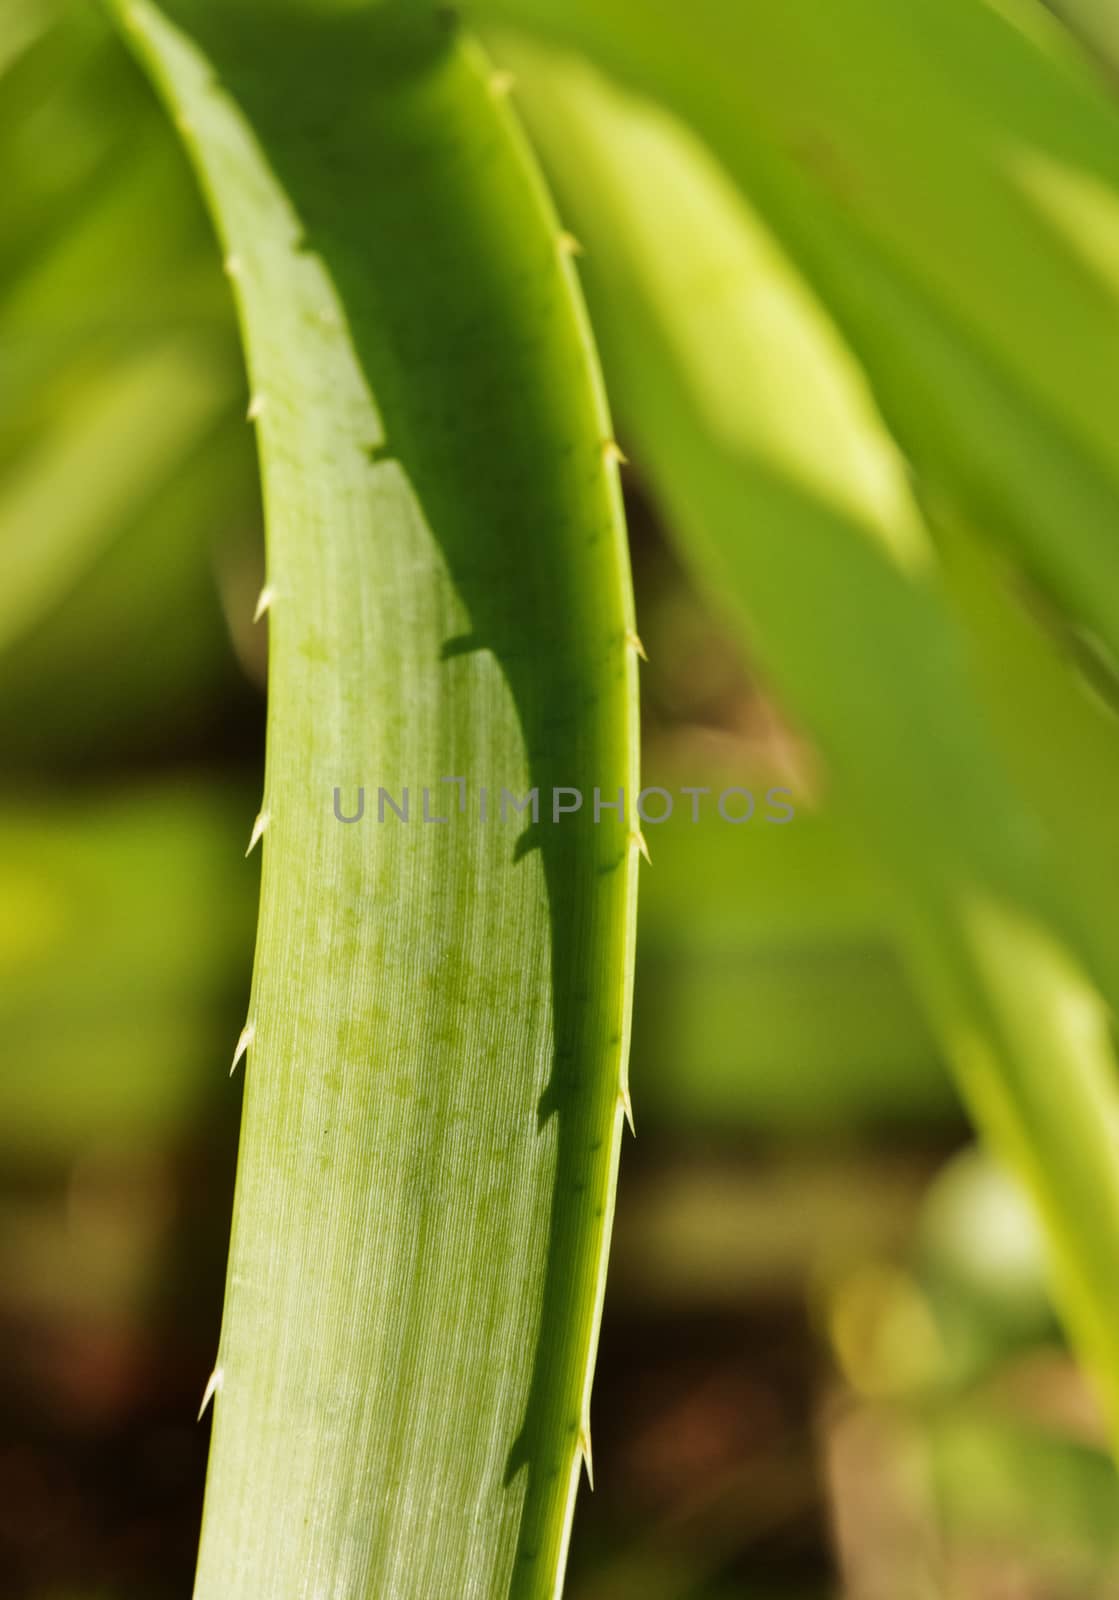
<point>829,1365</point>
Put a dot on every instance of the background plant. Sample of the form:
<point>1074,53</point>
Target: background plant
<point>853,277</point>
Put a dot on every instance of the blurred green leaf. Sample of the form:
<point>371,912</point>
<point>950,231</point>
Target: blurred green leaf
<point>1050,1499</point>
<point>123,928</point>
<point>134,657</point>
<point>952,189</point>
<point>770,996</point>
<point>122,455</point>
<point>838,585</point>
<point>80,487</point>
<point>1096,24</point>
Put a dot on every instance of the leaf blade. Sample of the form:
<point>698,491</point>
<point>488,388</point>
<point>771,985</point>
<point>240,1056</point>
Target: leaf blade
<point>397,1411</point>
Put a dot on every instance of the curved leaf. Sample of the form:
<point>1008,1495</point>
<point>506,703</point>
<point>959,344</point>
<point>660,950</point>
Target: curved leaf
<point>437,1030</point>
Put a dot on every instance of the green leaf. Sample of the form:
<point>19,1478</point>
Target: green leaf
<point>114,1011</point>
<point>951,188</point>
<point>66,702</point>
<point>123,376</point>
<point>787,929</point>
<point>1054,717</point>
<point>80,487</point>
<point>719,353</point>
<point>437,1028</point>
<point>1096,24</point>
